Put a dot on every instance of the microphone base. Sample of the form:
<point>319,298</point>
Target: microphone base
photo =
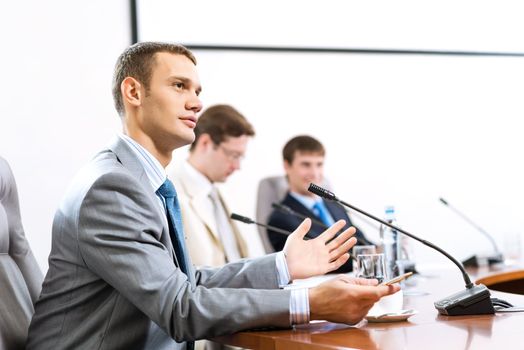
<point>476,261</point>
<point>409,266</point>
<point>472,301</point>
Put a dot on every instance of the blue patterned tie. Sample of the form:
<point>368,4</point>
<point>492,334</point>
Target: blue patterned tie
<point>174,217</point>
<point>322,212</point>
<point>176,231</point>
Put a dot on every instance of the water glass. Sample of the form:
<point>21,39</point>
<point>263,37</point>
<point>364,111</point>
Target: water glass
<point>359,250</point>
<point>372,266</point>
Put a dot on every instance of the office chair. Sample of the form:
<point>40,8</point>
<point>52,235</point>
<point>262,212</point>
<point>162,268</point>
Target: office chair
<point>20,276</point>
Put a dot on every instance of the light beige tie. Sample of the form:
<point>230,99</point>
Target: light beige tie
<point>225,231</point>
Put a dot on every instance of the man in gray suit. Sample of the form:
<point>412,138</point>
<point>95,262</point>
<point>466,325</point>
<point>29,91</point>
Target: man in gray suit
<point>119,276</point>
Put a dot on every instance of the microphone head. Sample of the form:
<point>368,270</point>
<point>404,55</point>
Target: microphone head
<point>443,201</point>
<point>321,192</point>
<point>241,218</point>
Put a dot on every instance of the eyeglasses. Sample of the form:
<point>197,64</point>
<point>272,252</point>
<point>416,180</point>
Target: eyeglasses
<point>232,155</point>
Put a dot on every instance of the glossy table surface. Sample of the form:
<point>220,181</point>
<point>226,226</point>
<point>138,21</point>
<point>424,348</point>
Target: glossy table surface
<point>425,330</point>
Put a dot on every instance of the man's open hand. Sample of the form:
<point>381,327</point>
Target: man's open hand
<point>316,256</point>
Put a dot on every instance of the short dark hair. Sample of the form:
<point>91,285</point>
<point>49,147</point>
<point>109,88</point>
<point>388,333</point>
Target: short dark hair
<point>220,122</point>
<point>137,61</point>
<point>303,144</point>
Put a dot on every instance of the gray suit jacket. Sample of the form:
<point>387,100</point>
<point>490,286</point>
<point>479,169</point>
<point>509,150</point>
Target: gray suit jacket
<point>20,276</point>
<point>113,280</point>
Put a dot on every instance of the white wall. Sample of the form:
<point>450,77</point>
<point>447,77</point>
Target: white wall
<point>56,108</point>
<point>401,130</point>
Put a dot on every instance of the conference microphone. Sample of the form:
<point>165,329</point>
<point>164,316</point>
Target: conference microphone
<point>474,260</point>
<point>247,220</point>
<point>287,210</point>
<point>475,300</point>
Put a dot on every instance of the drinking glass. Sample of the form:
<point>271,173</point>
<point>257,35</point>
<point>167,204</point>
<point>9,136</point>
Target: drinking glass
<point>359,250</point>
<point>371,266</point>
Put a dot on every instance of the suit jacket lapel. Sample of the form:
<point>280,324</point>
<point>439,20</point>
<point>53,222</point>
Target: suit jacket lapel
<point>128,159</point>
<point>241,244</point>
<point>336,211</point>
<point>300,208</point>
<point>200,204</point>
<point>201,207</point>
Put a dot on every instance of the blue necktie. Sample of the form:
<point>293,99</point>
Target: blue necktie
<point>322,212</point>
<point>176,231</point>
<point>174,218</point>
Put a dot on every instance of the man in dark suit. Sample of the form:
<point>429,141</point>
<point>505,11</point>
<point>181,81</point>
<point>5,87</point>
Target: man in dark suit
<point>303,162</point>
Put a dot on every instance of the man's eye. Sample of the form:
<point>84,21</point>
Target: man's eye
<point>178,85</point>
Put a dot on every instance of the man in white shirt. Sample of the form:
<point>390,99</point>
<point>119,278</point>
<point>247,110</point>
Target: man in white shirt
<point>221,138</point>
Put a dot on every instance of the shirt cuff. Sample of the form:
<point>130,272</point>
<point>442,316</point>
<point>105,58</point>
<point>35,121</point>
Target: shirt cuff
<point>282,272</point>
<point>299,306</point>
<point>299,299</point>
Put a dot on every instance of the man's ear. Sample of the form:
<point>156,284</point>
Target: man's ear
<point>131,91</point>
<point>203,143</point>
<point>287,165</point>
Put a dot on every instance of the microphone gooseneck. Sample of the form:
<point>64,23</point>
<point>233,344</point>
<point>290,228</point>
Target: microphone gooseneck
<point>469,221</point>
<point>241,218</point>
<point>322,192</point>
<point>247,220</point>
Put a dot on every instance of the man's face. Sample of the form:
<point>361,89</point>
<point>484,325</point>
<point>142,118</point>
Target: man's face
<point>304,169</point>
<point>169,108</point>
<point>224,159</point>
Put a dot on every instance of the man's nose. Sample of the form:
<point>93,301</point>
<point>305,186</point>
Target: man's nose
<point>194,104</point>
<point>236,164</point>
<point>317,174</point>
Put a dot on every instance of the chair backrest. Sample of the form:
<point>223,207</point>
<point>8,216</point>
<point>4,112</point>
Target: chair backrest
<point>20,275</point>
<point>271,190</point>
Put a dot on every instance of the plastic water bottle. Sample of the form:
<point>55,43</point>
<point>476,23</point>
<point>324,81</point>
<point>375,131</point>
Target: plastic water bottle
<point>391,245</point>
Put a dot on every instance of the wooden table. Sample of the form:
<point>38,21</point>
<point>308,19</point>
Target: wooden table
<point>425,330</point>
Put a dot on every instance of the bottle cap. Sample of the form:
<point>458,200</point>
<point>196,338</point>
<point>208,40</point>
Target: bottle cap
<point>390,213</point>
